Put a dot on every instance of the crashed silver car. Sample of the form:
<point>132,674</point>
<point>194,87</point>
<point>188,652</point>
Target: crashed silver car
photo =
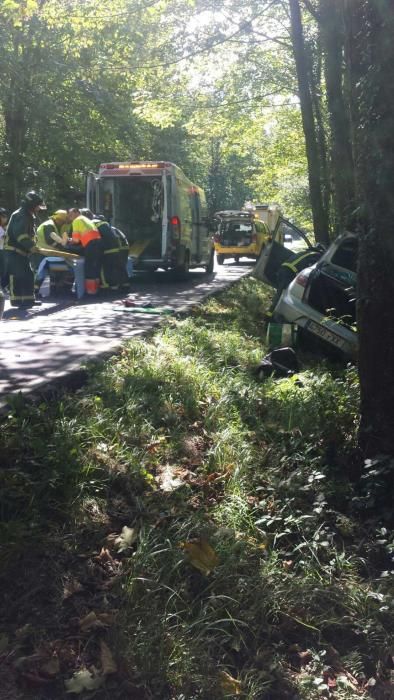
<point>321,299</point>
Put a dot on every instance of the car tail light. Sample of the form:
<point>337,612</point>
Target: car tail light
<point>175,227</point>
<point>254,238</point>
<point>302,279</point>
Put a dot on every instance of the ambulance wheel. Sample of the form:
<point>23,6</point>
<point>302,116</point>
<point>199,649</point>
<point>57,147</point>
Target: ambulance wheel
<point>210,264</point>
<point>184,269</point>
<point>220,258</point>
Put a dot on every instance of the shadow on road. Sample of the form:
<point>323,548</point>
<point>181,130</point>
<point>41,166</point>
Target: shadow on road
<point>43,343</point>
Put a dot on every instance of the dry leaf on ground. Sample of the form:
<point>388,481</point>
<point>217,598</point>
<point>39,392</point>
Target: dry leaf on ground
<point>126,538</point>
<point>229,684</point>
<point>108,618</point>
<point>98,620</point>
<point>84,680</point>
<point>201,555</point>
<point>71,587</point>
<point>52,667</point>
<point>170,478</point>
<point>108,663</point>
<point>105,557</point>
<point>90,622</point>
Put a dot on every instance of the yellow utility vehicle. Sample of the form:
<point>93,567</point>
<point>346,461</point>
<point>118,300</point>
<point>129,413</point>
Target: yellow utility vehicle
<point>239,234</point>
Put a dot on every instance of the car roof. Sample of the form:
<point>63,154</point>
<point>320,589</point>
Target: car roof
<point>234,214</point>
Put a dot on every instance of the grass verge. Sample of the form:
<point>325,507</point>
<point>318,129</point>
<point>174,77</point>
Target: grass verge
<point>253,562</point>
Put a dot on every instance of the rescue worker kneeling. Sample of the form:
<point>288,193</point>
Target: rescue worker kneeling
<point>86,241</point>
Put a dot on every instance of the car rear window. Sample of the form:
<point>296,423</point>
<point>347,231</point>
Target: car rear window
<point>230,227</point>
<point>346,254</point>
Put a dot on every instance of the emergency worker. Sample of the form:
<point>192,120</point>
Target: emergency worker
<point>110,267</point>
<point>123,244</point>
<point>86,241</point>
<point>290,269</point>
<point>50,235</point>
<point>20,245</point>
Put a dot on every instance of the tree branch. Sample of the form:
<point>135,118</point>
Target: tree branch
<point>312,10</point>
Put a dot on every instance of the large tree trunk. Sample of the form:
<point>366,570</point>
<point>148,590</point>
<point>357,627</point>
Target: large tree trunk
<point>15,127</point>
<point>372,73</point>
<point>315,79</point>
<point>15,136</point>
<point>331,22</point>
<point>320,218</point>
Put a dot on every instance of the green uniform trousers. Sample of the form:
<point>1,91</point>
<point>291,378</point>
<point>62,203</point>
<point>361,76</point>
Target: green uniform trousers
<point>21,279</point>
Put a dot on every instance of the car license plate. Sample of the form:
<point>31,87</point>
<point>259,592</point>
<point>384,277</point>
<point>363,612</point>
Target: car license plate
<point>326,334</point>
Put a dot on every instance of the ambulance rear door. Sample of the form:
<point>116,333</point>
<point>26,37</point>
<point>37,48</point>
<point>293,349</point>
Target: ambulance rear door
<point>92,191</point>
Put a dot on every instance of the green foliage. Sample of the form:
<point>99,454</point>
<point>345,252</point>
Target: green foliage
<point>79,87</point>
<point>301,582</point>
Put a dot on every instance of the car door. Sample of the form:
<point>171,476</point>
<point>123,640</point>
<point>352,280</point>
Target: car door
<point>331,287</point>
<point>287,239</point>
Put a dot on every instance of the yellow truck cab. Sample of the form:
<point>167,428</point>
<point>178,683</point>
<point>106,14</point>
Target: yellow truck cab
<point>239,234</point>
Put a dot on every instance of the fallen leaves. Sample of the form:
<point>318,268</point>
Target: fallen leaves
<point>170,478</point>
<point>91,678</point>
<point>126,538</point>
<point>108,664</point>
<point>71,587</point>
<point>52,667</point>
<point>84,680</point>
<point>201,555</point>
<point>90,622</point>
<point>229,684</point>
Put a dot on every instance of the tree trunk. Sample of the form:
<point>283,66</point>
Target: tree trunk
<point>320,219</point>
<point>332,32</point>
<point>372,73</point>
<point>15,128</point>
<point>315,79</point>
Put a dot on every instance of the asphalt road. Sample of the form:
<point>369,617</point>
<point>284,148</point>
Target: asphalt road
<point>43,344</point>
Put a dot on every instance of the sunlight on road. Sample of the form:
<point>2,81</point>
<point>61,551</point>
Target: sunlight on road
<point>51,340</point>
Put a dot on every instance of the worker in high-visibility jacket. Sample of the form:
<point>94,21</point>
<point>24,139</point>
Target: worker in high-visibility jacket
<point>86,240</point>
<point>290,269</point>
<point>50,235</point>
<point>110,266</point>
<point>114,273</point>
<point>20,245</point>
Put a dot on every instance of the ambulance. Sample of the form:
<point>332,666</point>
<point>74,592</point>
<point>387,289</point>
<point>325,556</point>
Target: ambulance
<point>162,213</point>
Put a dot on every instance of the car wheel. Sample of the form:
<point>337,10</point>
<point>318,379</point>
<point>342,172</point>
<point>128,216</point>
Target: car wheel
<point>220,258</point>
